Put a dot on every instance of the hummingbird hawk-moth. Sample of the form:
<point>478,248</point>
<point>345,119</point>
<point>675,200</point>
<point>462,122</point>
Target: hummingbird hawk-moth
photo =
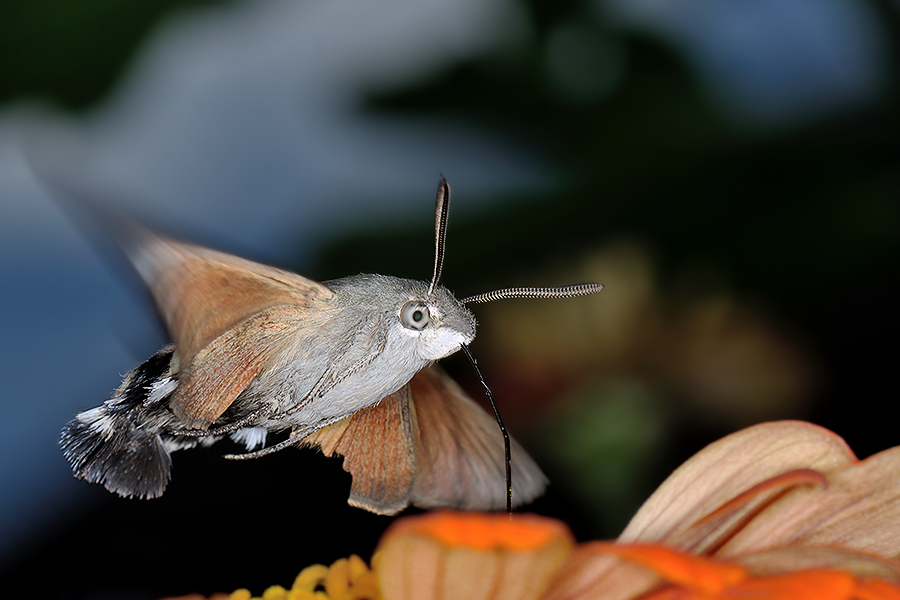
<point>347,366</point>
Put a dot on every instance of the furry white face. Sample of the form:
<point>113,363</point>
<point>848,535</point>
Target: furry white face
<point>435,344</point>
<point>438,330</point>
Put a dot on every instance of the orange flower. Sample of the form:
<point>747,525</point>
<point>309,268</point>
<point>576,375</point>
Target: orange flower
<point>777,511</point>
<point>448,555</point>
<point>788,505</point>
<point>781,500</point>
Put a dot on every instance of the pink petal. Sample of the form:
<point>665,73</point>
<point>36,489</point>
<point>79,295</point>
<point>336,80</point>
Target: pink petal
<point>591,572</point>
<point>729,467</point>
<point>701,574</point>
<point>784,560</point>
<point>860,510</point>
<point>709,533</point>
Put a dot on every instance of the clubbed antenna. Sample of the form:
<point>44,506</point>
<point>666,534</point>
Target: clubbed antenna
<point>566,291</point>
<point>441,206</point>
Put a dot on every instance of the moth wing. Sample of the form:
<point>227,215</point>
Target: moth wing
<point>202,293</point>
<point>460,459</point>
<point>431,445</point>
<point>378,446</point>
<point>223,368</point>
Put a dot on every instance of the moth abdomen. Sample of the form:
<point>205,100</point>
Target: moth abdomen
<point>118,444</point>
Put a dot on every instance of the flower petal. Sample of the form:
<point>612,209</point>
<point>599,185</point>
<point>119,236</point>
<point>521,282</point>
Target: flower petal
<point>730,467</point>
<point>807,585</point>
<point>710,532</point>
<point>859,510</point>
<point>802,585</point>
<point>701,574</point>
<point>873,589</point>
<point>623,571</point>
<point>783,560</point>
<point>589,572</point>
<point>788,574</point>
<point>448,555</point>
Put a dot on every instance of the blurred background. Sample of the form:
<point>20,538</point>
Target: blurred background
<point>728,168</point>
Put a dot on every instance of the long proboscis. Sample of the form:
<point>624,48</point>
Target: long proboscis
<point>565,291</point>
<point>507,452</point>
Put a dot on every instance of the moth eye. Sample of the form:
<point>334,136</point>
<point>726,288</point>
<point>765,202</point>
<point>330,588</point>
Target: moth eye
<point>414,315</point>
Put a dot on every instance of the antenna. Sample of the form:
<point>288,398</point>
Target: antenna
<point>441,211</point>
<point>565,291</point>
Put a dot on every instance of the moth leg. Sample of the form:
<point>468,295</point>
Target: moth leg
<point>326,382</point>
<point>322,387</point>
<point>239,424</point>
<point>333,376</point>
<point>297,436</point>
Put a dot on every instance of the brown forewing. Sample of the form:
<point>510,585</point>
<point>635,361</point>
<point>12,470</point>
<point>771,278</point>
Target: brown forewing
<point>225,367</point>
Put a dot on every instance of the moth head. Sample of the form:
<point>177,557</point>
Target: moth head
<point>441,306</point>
<point>438,322</point>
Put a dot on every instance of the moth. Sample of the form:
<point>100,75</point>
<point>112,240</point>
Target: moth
<point>346,366</point>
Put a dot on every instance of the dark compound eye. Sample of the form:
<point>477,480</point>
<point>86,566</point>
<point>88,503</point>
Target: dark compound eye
<point>415,315</point>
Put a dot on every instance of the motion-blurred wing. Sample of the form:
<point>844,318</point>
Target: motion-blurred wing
<point>201,293</point>
<point>459,451</point>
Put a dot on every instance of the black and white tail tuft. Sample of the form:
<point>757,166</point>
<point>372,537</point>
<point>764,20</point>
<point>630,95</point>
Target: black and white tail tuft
<point>118,444</point>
